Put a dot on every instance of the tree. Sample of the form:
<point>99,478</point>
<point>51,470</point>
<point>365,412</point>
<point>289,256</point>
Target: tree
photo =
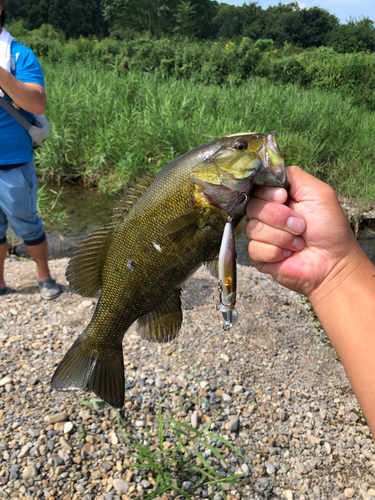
<point>73,17</point>
<point>355,36</point>
<point>141,16</point>
<point>184,18</point>
<point>227,21</point>
<point>77,17</point>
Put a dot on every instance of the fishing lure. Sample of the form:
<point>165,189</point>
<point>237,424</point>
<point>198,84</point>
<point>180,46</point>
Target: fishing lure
<point>227,284</point>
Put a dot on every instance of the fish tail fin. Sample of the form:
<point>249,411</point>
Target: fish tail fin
<point>97,370</point>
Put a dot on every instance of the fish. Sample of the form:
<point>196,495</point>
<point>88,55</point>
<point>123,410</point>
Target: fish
<point>164,228</point>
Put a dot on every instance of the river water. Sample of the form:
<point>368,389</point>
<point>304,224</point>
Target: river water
<point>88,209</point>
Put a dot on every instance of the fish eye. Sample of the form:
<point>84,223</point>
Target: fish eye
<point>241,145</point>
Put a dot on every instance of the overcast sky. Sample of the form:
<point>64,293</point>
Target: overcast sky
<point>343,9</point>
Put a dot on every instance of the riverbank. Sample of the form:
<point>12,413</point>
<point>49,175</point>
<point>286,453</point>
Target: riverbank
<point>142,122</point>
<point>287,404</point>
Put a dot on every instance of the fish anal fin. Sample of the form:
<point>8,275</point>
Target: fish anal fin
<point>101,371</point>
<point>163,323</point>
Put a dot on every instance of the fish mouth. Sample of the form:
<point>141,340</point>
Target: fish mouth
<point>274,176</point>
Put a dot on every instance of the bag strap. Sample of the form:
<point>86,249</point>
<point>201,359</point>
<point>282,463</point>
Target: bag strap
<point>16,114</point>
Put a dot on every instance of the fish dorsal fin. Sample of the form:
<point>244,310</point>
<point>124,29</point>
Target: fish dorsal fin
<point>85,267</point>
<point>131,194</point>
<point>163,323</point>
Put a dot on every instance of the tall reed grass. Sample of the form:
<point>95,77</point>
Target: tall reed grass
<point>106,125</point>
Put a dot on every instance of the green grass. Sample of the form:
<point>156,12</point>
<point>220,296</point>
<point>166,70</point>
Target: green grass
<point>173,465</point>
<point>106,125</point>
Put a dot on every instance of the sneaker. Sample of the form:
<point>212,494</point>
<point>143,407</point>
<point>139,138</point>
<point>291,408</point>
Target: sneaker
<point>49,289</point>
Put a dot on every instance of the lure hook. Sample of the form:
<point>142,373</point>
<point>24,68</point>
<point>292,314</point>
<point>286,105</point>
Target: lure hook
<point>237,203</point>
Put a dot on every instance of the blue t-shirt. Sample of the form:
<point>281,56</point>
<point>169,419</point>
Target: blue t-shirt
<point>15,142</point>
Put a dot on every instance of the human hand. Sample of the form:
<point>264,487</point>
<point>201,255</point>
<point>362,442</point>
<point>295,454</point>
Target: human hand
<point>306,243</point>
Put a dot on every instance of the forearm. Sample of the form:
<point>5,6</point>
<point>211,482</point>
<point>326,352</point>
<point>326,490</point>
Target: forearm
<point>346,308</point>
<point>29,96</point>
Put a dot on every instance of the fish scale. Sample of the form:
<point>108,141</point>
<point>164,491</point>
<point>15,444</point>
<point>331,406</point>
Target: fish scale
<point>163,229</point>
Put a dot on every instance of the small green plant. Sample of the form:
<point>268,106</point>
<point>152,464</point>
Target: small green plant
<point>48,206</point>
<point>95,403</point>
<point>81,434</point>
<point>174,465</point>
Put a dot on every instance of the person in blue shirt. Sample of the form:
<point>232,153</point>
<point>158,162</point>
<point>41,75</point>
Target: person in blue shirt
<point>22,82</point>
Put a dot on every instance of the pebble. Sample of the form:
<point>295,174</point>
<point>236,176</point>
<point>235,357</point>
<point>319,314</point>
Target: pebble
<point>194,420</point>
<point>327,447</point>
<point>5,380</point>
<point>159,383</point>
<point>120,486</point>
<point>29,472</point>
<point>33,432</point>
<point>233,424</point>
<point>270,468</point>
<point>68,427</point>
<point>245,468</point>
<point>57,417</point>
<point>24,450</point>
<point>273,391</point>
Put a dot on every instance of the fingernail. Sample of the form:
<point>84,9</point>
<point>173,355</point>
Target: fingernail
<point>277,195</point>
<point>298,242</point>
<point>287,253</point>
<point>295,225</point>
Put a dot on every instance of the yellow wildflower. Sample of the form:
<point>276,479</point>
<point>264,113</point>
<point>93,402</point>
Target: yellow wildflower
<point>268,53</point>
<point>95,40</point>
<point>275,51</point>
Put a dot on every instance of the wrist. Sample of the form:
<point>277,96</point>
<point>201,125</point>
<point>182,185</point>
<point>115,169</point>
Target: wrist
<point>353,271</point>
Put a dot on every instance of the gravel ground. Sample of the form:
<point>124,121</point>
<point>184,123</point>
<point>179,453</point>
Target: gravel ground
<point>287,404</point>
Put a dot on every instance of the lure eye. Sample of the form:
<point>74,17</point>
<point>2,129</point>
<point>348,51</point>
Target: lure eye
<point>241,145</point>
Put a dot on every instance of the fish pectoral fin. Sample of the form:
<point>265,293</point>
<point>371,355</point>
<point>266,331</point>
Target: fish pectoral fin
<point>187,221</point>
<point>100,371</point>
<point>163,323</point>
<point>190,221</point>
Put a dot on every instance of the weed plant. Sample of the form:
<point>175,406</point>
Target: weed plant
<point>219,62</point>
<point>51,210</point>
<point>108,125</point>
<point>170,457</point>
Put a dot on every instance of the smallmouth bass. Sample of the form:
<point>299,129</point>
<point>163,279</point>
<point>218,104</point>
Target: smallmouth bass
<point>164,228</point>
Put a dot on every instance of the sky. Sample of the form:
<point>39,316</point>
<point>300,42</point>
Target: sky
<point>343,9</point>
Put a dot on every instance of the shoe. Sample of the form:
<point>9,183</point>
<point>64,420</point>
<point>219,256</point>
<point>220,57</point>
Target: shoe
<point>49,289</point>
<point>5,291</point>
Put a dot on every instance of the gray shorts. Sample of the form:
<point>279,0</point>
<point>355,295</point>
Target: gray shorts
<point>18,195</point>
